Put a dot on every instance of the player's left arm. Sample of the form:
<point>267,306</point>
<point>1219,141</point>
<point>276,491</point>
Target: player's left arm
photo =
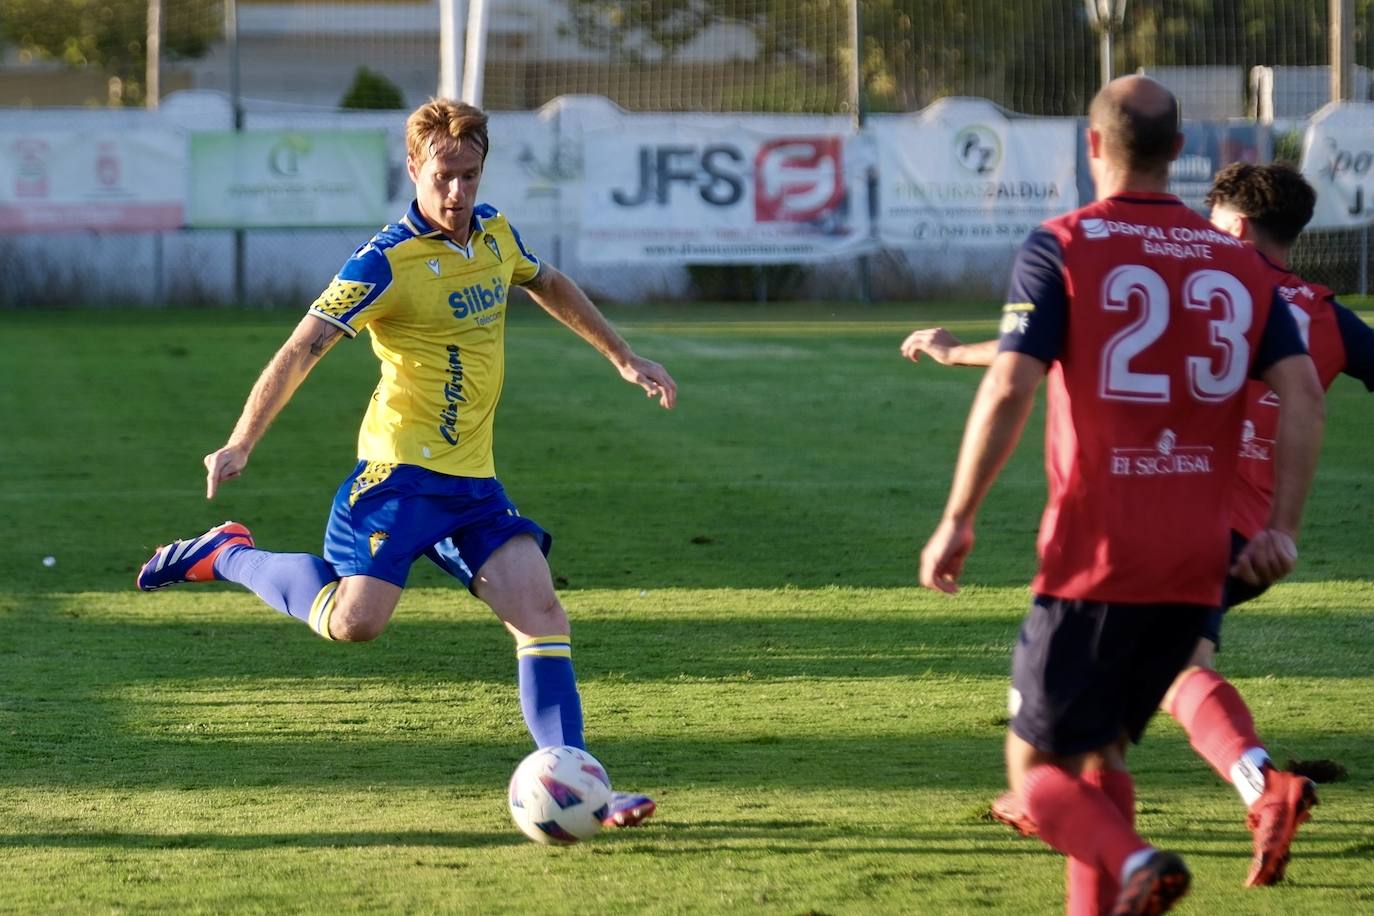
<point>1358,340</point>
<point>558,295</point>
<point>946,349</point>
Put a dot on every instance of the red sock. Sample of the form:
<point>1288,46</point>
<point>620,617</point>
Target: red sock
<point>1093,891</point>
<point>1217,721</point>
<point>1079,819</point>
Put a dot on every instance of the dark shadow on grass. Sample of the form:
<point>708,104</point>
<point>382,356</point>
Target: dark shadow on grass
<point>240,841</point>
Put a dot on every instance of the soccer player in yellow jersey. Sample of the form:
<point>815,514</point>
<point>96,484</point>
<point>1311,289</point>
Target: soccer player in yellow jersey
<point>432,290</point>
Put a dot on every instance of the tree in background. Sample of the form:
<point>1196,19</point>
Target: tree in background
<point>109,35</point>
<point>371,89</point>
<point>1032,56</point>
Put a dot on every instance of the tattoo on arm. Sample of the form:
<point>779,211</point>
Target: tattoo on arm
<point>320,345</point>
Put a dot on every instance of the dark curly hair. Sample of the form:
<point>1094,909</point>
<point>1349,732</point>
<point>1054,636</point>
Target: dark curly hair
<point>1276,199</point>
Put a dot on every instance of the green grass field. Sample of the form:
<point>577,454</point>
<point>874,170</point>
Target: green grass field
<point>822,736</point>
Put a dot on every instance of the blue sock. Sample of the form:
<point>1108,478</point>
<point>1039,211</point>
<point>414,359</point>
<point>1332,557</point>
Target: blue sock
<point>548,691</point>
<point>298,584</point>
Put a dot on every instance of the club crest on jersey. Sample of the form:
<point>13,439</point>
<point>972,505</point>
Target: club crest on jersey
<point>375,541</point>
<point>1166,459</point>
<point>491,244</point>
<point>1015,317</point>
<point>433,264</point>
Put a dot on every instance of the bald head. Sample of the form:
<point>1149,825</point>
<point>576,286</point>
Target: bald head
<point>1138,120</point>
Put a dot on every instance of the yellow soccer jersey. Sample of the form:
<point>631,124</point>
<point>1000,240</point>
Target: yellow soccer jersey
<point>436,311</point>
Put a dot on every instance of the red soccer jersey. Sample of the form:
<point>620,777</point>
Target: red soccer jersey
<point>1152,322</point>
<point>1331,339</point>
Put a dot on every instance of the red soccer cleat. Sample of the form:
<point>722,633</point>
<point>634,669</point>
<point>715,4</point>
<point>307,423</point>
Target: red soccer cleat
<point>1153,887</point>
<point>1007,809</point>
<point>1287,802</point>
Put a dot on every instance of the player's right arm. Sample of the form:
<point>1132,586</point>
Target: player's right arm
<point>1033,327</point>
<point>311,339</point>
<point>995,423</point>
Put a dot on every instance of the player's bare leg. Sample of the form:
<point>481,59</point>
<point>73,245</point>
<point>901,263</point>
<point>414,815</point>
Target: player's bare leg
<point>516,583</point>
<point>362,607</point>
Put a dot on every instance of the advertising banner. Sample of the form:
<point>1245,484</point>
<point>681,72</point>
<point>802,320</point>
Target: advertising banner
<point>59,181</point>
<point>962,172</point>
<point>719,189</point>
<point>1338,159</point>
<point>279,179</point>
<point>1210,146</point>
<point>518,178</point>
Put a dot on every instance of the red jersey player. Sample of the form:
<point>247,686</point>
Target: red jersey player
<point>1267,206</point>
<point>1149,323</point>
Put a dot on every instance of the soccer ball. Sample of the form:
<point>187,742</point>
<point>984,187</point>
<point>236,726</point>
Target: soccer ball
<point>558,795</point>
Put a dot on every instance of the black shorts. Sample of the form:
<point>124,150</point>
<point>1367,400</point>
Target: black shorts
<point>1236,591</point>
<point>1084,672</point>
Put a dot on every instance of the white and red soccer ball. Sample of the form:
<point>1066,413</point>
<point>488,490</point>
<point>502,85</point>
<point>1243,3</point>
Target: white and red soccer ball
<point>558,795</point>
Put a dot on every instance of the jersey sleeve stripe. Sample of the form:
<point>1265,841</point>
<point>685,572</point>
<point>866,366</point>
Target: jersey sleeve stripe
<point>337,322</point>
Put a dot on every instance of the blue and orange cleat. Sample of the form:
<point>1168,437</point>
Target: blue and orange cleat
<point>190,560</point>
<point>628,809</point>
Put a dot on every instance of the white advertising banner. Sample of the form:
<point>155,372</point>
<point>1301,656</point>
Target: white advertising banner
<point>56,181</point>
<point>519,177</point>
<point>962,172</point>
<point>719,189</point>
<point>1338,160</point>
<point>272,179</point>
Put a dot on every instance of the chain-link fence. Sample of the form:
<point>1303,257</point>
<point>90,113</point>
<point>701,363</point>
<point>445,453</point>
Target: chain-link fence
<point>301,61</point>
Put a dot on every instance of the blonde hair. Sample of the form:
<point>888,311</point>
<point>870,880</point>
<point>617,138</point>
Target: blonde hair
<point>440,119</point>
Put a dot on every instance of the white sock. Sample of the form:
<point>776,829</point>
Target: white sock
<point>1134,861</point>
<point>1247,775</point>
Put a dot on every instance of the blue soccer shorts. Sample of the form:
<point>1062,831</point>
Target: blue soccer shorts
<point>386,516</point>
<point>1084,673</point>
<point>1236,591</point>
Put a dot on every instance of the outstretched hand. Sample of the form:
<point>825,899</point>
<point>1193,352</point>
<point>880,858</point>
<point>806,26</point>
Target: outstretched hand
<point>936,342</point>
<point>1270,555</point>
<point>653,378</point>
<point>224,464</point>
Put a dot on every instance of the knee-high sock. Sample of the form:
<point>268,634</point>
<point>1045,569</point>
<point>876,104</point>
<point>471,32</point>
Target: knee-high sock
<point>548,691</point>
<point>1221,729</point>
<point>1093,891</point>
<point>298,584</point>
<point>1079,819</point>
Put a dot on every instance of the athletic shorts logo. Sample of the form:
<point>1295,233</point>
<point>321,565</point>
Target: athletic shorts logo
<point>375,541</point>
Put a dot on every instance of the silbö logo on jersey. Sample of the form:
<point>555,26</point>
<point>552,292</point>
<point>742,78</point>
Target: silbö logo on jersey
<point>471,301</point>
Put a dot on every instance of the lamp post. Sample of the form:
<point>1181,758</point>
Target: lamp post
<point>1106,16</point>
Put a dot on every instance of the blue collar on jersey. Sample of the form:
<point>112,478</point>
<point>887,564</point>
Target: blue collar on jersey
<point>421,227</point>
